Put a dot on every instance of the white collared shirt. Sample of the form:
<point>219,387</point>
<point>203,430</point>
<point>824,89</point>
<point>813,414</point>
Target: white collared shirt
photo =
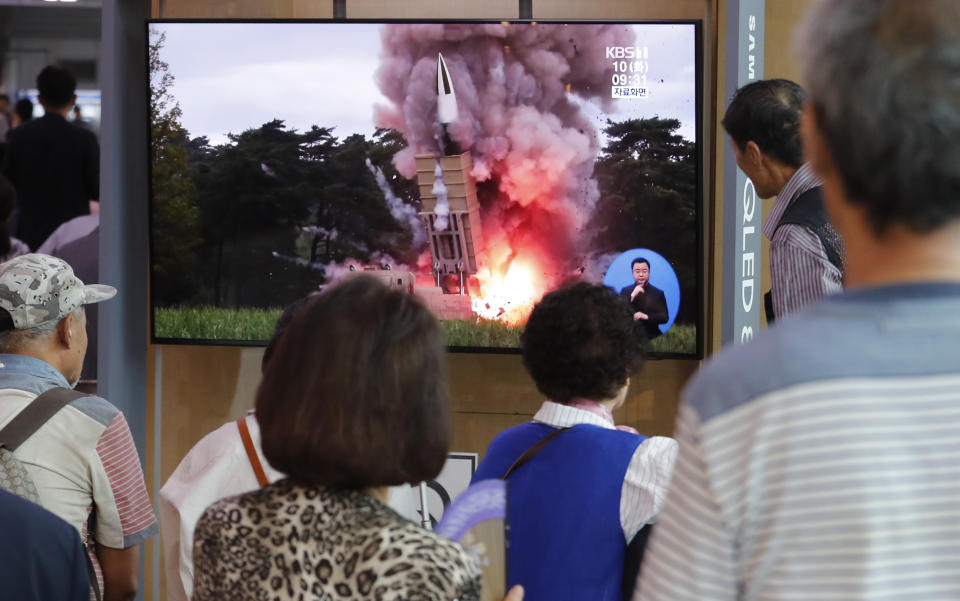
<point>648,475</point>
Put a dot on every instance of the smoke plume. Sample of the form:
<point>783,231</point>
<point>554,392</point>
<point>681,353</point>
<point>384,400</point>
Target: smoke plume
<point>334,271</point>
<point>515,87</point>
<point>442,210</point>
<point>400,210</point>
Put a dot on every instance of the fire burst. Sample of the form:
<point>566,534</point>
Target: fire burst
<point>509,297</point>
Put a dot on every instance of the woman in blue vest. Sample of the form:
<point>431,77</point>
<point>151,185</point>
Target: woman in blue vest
<point>576,502</point>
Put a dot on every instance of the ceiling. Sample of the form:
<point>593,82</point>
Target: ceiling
<point>57,4</point>
<point>74,20</point>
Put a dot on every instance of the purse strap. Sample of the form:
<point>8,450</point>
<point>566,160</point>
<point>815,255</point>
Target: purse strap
<point>34,415</point>
<point>251,451</point>
<point>529,453</point>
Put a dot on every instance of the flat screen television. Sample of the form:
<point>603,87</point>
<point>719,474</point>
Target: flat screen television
<point>475,164</point>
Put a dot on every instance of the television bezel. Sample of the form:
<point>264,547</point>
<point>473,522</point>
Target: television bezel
<point>698,151</point>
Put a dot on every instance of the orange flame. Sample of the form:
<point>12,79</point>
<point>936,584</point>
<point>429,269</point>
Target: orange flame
<point>509,297</point>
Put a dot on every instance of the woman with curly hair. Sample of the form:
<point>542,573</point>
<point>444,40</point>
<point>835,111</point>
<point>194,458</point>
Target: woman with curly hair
<point>579,487</point>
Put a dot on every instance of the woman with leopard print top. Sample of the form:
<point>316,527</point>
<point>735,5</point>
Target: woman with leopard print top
<point>287,541</point>
<point>353,400</point>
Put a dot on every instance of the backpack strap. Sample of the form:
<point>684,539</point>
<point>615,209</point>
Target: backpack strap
<point>251,451</point>
<point>529,453</point>
<point>807,211</point>
<point>34,415</point>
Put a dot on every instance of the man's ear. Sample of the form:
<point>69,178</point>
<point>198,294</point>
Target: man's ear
<point>753,154</point>
<point>68,330</point>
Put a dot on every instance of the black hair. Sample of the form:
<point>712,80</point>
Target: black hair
<point>23,108</point>
<point>581,342</point>
<point>56,86</point>
<point>767,112</point>
<point>639,260</point>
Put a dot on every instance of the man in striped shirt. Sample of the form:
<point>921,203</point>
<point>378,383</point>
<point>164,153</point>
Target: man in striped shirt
<point>821,461</point>
<point>82,460</point>
<point>763,122</point>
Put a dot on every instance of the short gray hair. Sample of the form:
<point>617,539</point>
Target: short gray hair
<point>12,341</point>
<point>884,79</point>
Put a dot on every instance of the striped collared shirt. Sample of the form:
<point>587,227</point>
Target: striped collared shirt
<point>800,271</point>
<point>648,475</point>
<point>821,462</point>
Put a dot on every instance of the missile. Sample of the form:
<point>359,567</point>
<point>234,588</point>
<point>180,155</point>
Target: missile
<point>446,98</point>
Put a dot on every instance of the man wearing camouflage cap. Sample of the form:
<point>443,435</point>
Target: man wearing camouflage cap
<point>82,460</point>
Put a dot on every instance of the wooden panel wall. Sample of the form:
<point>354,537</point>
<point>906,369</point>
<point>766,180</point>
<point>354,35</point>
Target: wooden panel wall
<point>782,21</point>
<point>243,9</point>
<point>432,9</point>
<point>620,9</point>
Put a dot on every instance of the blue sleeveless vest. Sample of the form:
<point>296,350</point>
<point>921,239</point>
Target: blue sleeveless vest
<point>563,507</point>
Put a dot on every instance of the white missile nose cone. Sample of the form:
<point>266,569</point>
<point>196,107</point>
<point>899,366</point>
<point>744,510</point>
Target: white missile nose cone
<point>444,86</point>
<point>446,97</point>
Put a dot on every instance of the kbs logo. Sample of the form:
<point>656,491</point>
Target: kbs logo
<point>627,52</point>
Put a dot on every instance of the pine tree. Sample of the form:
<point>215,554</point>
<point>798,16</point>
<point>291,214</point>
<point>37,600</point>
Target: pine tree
<point>176,218</point>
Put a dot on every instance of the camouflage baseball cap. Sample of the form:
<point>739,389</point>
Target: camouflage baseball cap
<point>37,289</point>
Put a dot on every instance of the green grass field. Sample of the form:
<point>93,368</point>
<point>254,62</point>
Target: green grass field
<point>678,339</point>
<point>482,332</point>
<point>212,323</point>
<point>215,324</point>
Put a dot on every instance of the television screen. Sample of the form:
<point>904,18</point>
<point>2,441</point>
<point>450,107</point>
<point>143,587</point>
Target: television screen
<point>477,165</point>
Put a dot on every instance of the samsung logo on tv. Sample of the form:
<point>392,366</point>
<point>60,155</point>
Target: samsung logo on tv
<point>626,52</point>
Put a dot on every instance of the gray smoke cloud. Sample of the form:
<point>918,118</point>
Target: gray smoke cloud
<point>595,267</point>
<point>516,115</point>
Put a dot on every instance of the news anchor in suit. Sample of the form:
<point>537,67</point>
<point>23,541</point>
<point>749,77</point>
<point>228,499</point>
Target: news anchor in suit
<point>648,302</point>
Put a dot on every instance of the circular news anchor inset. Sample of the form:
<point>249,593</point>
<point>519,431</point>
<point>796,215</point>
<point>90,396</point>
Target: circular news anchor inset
<point>620,275</point>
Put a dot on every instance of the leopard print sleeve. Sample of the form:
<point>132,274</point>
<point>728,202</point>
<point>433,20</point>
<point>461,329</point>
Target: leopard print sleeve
<point>209,577</point>
<point>439,569</point>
